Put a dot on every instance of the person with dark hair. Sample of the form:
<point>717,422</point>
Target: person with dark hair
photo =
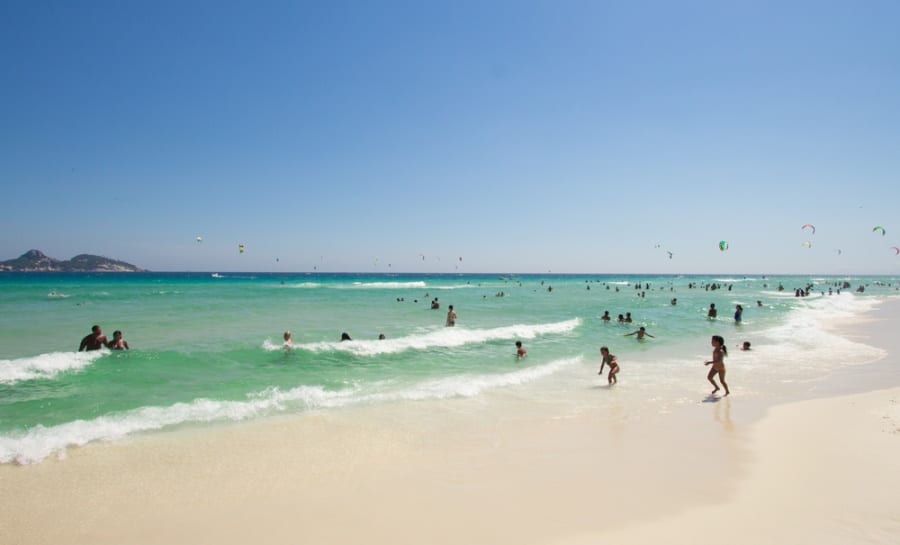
<point>641,333</point>
<point>610,360</point>
<point>118,343</point>
<point>345,337</point>
<point>520,350</point>
<point>93,341</point>
<point>718,363</point>
<point>712,311</point>
<point>738,313</point>
<point>451,317</point>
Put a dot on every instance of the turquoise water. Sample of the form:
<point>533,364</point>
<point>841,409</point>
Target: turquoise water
<point>209,348</point>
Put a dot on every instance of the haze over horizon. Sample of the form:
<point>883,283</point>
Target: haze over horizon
<point>521,137</point>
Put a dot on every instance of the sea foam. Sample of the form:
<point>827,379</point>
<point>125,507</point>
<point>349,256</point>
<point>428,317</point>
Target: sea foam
<point>445,337</point>
<point>45,366</point>
<point>39,442</point>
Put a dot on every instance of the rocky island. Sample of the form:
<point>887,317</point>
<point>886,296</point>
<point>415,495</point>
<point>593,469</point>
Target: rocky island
<point>37,261</point>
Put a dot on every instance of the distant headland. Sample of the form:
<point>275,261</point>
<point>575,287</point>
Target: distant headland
<point>37,261</point>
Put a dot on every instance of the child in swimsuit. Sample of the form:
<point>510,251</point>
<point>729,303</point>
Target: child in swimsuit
<point>520,350</point>
<point>718,363</point>
<point>609,359</point>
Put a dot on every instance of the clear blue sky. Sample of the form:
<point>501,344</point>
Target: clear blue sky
<point>521,136</point>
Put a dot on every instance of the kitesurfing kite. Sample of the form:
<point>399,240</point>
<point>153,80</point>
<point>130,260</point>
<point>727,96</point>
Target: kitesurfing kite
<point>199,239</point>
<point>896,250</point>
<point>879,228</point>
<point>839,251</point>
<point>241,248</point>
<point>809,226</point>
<point>808,244</point>
<point>670,254</point>
<point>723,245</point>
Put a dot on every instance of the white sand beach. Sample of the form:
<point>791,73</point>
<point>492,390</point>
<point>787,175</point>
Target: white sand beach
<point>815,471</point>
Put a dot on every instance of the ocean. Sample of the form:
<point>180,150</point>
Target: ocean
<point>207,349</point>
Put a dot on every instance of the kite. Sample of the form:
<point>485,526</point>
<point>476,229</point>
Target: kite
<point>808,244</point>
<point>839,251</point>
<point>879,228</point>
<point>199,239</point>
<point>241,248</point>
<point>809,226</point>
<point>723,245</point>
<point>670,254</point>
<point>896,250</point>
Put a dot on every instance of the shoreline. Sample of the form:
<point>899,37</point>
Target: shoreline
<point>462,472</point>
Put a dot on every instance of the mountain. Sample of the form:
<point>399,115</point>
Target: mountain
<point>36,260</point>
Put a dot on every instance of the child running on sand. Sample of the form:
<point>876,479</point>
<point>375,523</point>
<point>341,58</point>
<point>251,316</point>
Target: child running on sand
<point>718,363</point>
<point>609,359</point>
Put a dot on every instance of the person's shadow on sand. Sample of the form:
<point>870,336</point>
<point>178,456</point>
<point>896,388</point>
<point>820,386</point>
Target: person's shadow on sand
<point>712,399</point>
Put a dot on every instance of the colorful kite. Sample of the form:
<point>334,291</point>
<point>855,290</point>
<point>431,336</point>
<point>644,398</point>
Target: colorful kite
<point>723,246</point>
<point>879,228</point>
<point>810,226</point>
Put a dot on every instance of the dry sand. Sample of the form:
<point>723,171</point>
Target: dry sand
<point>817,471</point>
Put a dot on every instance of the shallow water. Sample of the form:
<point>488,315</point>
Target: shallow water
<point>209,349</point>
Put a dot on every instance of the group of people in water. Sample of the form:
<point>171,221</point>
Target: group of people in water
<point>95,340</point>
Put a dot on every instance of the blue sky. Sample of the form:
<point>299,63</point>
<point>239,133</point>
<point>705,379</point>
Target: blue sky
<point>520,136</point>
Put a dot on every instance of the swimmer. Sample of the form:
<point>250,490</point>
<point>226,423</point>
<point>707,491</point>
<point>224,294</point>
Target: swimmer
<point>610,360</point>
<point>520,350</point>
<point>738,313</point>
<point>381,337</point>
<point>345,337</point>
<point>641,333</point>
<point>93,341</point>
<point>712,311</point>
<point>628,319</point>
<point>718,364</point>
<point>745,346</point>
<point>606,317</point>
<point>288,341</point>
<point>451,317</point>
<point>118,343</point>
<point>620,319</point>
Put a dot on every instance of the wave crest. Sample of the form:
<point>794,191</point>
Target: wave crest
<point>39,442</point>
<point>446,337</point>
<point>45,366</point>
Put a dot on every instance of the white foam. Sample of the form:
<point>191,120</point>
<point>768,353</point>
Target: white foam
<point>807,341</point>
<point>445,337</point>
<point>734,279</point>
<point>45,366</point>
<point>39,442</point>
<point>389,285</point>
